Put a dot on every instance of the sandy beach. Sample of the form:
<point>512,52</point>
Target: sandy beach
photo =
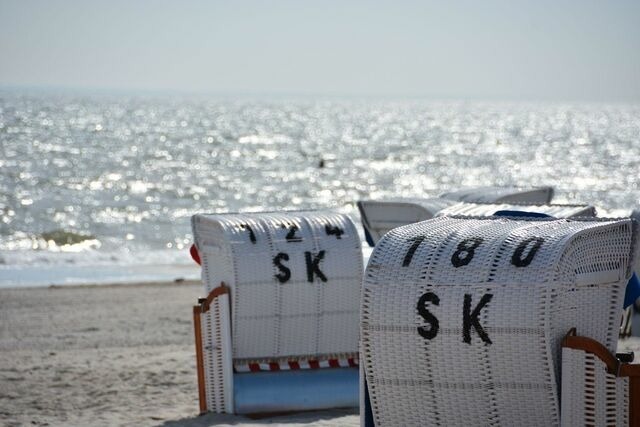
<point>109,355</point>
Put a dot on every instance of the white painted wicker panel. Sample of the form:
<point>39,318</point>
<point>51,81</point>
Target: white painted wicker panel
<point>635,214</point>
<point>537,195</point>
<point>283,307</point>
<point>216,351</point>
<point>590,395</point>
<point>488,209</point>
<point>574,275</point>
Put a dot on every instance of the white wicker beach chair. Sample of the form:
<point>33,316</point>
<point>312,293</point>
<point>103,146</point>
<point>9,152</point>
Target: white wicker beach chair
<point>283,298</point>
<point>462,318</point>
<point>380,216</point>
<point>488,209</point>
<point>536,195</point>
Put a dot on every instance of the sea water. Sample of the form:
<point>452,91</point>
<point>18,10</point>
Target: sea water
<point>97,189</point>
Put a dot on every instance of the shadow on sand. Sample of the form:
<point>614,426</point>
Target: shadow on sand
<point>207,420</point>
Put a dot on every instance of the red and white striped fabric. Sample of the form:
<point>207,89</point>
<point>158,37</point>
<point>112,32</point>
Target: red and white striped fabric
<point>351,362</point>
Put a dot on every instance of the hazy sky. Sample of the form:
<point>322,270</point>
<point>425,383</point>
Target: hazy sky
<point>558,50</point>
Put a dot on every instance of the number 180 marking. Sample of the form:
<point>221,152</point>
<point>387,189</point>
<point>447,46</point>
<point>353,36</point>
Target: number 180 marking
<point>465,251</point>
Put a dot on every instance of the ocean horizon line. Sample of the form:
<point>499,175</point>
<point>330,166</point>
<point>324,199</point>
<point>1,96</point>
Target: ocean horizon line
<point>288,95</point>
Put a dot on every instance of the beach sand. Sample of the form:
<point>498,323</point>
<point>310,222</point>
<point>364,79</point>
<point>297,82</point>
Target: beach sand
<point>110,355</point>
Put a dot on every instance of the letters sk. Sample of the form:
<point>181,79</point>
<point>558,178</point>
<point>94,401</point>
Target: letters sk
<point>470,318</point>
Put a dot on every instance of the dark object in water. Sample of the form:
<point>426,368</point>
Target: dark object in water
<point>321,163</point>
<point>62,237</point>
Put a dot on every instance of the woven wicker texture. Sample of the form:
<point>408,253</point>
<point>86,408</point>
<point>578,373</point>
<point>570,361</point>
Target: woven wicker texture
<point>380,216</point>
<point>537,195</point>
<point>294,278</point>
<point>590,395</point>
<point>635,214</point>
<point>462,318</point>
<point>488,209</point>
<point>216,351</point>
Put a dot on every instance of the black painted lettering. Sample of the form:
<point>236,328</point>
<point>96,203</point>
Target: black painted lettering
<point>291,235</point>
<point>467,248</point>
<point>313,266</point>
<point>285,274</point>
<point>517,259</point>
<point>470,318</point>
<point>252,235</point>
<point>333,230</point>
<point>428,333</point>
<point>412,249</point>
